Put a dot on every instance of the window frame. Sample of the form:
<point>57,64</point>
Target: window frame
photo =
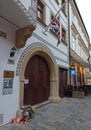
<point>40,8</point>
<point>64,7</point>
<point>64,36</point>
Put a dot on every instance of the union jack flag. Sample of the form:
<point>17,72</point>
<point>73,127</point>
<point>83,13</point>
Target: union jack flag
<point>55,26</point>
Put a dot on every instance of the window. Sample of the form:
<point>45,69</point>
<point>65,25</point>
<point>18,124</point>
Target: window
<point>40,8</point>
<point>64,7</point>
<point>74,46</point>
<point>63,35</point>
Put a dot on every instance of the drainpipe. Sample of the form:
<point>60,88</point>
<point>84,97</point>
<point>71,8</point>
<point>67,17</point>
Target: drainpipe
<point>69,42</point>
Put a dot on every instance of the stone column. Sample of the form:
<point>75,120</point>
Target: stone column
<point>21,92</point>
<point>54,92</point>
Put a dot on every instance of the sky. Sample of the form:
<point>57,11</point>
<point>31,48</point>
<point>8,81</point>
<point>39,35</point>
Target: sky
<point>84,7</point>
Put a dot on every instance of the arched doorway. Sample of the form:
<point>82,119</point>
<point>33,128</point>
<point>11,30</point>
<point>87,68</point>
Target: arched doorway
<point>45,53</point>
<point>38,88</point>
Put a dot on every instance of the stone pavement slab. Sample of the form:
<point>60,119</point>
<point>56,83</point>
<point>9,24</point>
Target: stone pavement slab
<point>70,114</point>
<point>82,119</point>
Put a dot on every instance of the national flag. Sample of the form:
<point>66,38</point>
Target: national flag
<point>55,26</point>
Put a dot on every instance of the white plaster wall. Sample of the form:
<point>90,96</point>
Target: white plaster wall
<point>60,51</point>
<point>9,103</point>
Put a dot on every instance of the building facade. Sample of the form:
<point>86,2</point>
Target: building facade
<point>33,68</point>
<point>79,47</point>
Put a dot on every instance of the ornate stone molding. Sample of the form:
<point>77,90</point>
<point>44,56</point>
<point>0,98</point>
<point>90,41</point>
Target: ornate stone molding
<point>31,15</point>
<point>30,48</point>
<point>22,35</point>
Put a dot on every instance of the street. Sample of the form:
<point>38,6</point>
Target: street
<point>81,120</point>
<point>70,114</point>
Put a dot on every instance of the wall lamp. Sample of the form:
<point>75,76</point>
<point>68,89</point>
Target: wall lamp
<point>12,52</point>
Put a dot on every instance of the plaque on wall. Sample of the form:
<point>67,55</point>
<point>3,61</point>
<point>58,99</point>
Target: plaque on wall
<point>8,74</point>
<point>7,86</point>
<point>7,82</point>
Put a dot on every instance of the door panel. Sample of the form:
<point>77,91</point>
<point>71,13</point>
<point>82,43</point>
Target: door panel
<point>38,89</point>
<point>62,81</point>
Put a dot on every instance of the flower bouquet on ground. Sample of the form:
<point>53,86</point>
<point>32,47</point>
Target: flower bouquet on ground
<point>28,112</point>
<point>24,114</point>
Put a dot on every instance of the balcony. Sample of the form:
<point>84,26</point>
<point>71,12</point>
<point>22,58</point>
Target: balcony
<point>21,14</point>
<point>18,13</point>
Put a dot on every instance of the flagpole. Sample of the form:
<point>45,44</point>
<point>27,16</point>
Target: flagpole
<point>69,43</point>
<point>54,18</point>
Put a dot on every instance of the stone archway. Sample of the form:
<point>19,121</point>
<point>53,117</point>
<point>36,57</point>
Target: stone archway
<point>45,52</point>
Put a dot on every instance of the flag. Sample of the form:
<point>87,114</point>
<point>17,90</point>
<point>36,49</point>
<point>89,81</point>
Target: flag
<point>55,26</point>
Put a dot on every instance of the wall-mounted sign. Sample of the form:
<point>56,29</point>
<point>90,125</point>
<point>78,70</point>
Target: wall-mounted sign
<point>26,81</point>
<point>73,72</point>
<point>8,74</point>
<point>7,82</point>
<point>7,86</point>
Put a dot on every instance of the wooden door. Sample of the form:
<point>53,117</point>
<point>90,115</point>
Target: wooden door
<point>38,88</point>
<point>62,81</point>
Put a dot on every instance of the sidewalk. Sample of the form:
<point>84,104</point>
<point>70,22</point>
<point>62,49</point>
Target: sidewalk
<point>70,114</point>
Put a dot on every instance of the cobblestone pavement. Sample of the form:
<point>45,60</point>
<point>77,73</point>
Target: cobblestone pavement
<point>70,114</point>
<point>81,119</point>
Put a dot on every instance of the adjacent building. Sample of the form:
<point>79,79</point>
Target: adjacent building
<point>79,47</point>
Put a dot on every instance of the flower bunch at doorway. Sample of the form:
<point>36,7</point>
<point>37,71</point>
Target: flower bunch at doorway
<point>28,112</point>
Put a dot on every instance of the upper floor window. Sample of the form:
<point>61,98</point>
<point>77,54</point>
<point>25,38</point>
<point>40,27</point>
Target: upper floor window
<point>40,8</point>
<point>74,47</point>
<point>63,35</point>
<point>64,6</point>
